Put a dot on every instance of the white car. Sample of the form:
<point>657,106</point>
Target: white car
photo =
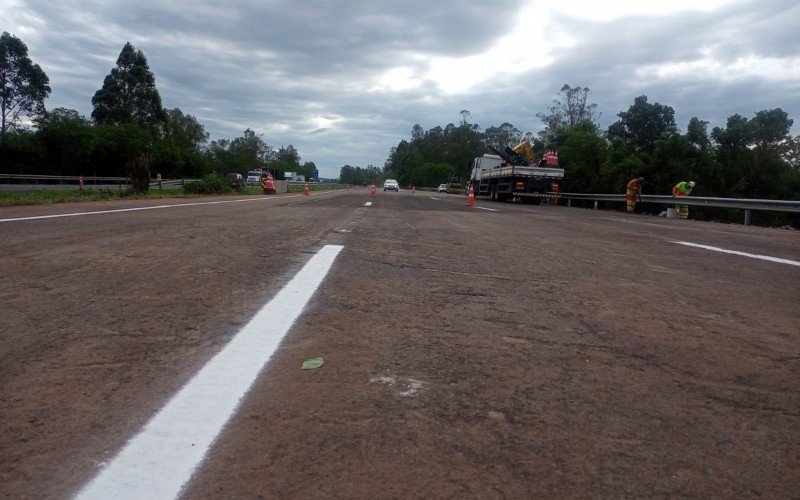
<point>442,188</point>
<point>391,184</point>
<point>254,177</point>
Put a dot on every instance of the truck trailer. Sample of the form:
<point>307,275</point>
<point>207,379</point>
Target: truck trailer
<point>516,174</point>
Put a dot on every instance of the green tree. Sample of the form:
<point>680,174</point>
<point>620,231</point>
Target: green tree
<point>222,160</point>
<point>771,143</point>
<point>290,157</point>
<point>430,174</point>
<point>307,169</point>
<point>185,131</point>
<point>581,152</point>
<point>249,149</point>
<point>568,109</point>
<point>463,143</point>
<point>68,139</point>
<point>23,85</point>
<point>403,159</point>
<point>118,147</point>
<point>358,175</point>
<point>21,153</point>
<point>506,135</point>
<point>640,126</point>
<point>129,93</point>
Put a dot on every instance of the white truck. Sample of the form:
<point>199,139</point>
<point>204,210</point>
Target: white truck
<point>516,174</point>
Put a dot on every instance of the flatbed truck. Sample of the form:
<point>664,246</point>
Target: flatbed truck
<point>506,176</point>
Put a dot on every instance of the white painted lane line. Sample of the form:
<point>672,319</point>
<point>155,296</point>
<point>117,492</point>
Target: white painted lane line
<point>368,204</point>
<point>193,204</point>
<point>158,461</point>
<point>743,254</point>
<point>155,207</point>
<point>489,209</point>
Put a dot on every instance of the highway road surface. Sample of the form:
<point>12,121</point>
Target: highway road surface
<point>155,349</point>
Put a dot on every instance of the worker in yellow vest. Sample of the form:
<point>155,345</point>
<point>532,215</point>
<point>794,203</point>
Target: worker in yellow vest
<point>682,189</point>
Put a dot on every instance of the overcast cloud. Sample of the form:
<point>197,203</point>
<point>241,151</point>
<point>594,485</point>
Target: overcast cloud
<point>345,80</point>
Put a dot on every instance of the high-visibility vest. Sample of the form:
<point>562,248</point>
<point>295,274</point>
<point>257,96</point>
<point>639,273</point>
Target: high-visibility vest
<point>681,189</point>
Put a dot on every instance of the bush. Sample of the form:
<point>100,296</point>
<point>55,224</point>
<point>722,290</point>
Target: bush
<point>213,183</point>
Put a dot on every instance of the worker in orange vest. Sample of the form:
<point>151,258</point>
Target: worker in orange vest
<point>633,192</point>
<point>267,183</point>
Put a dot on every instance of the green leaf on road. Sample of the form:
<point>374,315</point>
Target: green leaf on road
<point>312,363</point>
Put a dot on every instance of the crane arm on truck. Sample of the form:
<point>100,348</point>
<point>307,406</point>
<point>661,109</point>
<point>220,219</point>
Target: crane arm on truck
<point>520,155</point>
<point>524,150</point>
<point>509,155</point>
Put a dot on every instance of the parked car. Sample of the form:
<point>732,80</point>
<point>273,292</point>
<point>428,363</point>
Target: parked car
<point>391,185</point>
<point>442,188</point>
<point>254,177</point>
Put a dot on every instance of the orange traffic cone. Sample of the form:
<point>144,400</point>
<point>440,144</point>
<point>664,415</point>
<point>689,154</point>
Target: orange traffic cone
<point>471,197</point>
<point>373,191</point>
<point>306,191</point>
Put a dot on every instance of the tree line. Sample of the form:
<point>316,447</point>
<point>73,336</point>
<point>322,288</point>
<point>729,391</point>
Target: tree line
<point>752,157</point>
<point>129,134</point>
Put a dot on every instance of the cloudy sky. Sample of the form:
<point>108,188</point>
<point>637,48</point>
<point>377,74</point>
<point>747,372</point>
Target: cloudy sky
<point>345,80</point>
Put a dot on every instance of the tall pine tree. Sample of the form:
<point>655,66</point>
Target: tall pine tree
<point>129,93</point>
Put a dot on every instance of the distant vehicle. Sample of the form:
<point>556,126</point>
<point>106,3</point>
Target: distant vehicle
<point>391,185</point>
<point>442,188</point>
<point>234,177</point>
<point>254,177</point>
<point>453,185</point>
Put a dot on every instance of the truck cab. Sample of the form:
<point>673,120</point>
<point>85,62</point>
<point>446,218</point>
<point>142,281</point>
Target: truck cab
<point>485,162</point>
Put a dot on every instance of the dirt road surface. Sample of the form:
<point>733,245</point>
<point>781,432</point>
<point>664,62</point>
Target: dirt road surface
<point>524,351</point>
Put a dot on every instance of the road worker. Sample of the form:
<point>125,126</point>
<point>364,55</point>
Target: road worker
<point>267,183</point>
<point>633,192</point>
<point>682,189</point>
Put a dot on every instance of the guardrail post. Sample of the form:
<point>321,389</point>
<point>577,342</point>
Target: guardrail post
<point>747,217</point>
<point>595,204</point>
<point>569,202</point>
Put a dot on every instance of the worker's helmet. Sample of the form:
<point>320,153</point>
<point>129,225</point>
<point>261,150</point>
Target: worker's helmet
<point>641,179</point>
<point>691,184</point>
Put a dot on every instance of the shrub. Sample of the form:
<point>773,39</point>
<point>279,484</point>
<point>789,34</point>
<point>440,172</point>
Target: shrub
<point>213,183</point>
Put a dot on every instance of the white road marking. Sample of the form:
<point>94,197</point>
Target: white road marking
<point>368,204</point>
<point>743,254</point>
<point>434,198</point>
<point>489,209</point>
<point>194,204</point>
<point>160,460</point>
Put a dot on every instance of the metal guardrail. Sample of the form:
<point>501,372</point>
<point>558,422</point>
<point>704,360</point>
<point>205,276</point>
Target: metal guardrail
<point>62,179</point>
<point>71,181</point>
<point>745,204</point>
